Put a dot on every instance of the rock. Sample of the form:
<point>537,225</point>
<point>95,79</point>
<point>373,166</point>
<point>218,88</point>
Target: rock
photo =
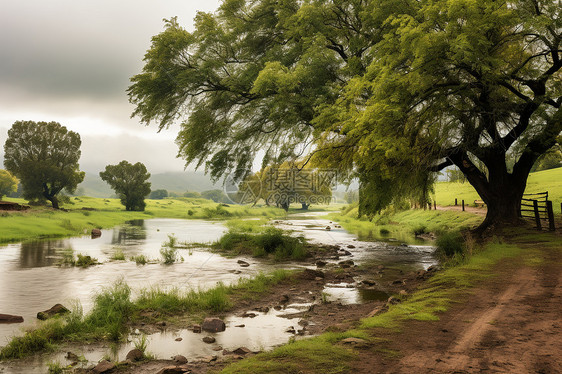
<point>392,301</point>
<point>242,351</point>
<point>311,274</point>
<point>263,309</point>
<point>351,246</point>
<point>291,330</point>
<point>217,348</point>
<point>244,264</point>
<point>398,281</point>
<point>248,315</point>
<point>96,233</point>
<point>161,323</point>
<point>356,342</point>
<point>172,370</point>
<point>9,318</point>
<point>433,268</point>
<point>53,311</point>
<point>179,339</point>
<point>179,360</point>
<point>377,310</point>
<point>235,271</point>
<point>135,355</point>
<point>209,359</point>
<point>104,367</point>
<point>196,329</point>
<point>321,263</point>
<point>344,253</point>
<point>209,339</point>
<point>328,228</point>
<point>368,282</point>
<point>242,325</point>
<point>284,299</point>
<point>213,325</point>
<point>403,292</point>
<point>72,357</point>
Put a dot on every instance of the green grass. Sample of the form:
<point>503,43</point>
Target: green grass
<point>541,181</point>
<point>114,310</point>
<point>43,222</point>
<point>266,242</point>
<point>404,225</point>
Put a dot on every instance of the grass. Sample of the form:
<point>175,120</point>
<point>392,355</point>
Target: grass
<point>44,222</point>
<point>114,310</point>
<point>545,180</point>
<point>140,259</point>
<point>266,242</point>
<point>404,225</point>
<point>118,255</point>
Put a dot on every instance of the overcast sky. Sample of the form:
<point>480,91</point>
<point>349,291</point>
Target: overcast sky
<point>70,61</point>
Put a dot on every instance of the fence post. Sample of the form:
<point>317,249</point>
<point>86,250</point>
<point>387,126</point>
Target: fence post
<point>434,205</point>
<point>458,204</point>
<point>537,215</point>
<point>463,205</point>
<point>550,212</point>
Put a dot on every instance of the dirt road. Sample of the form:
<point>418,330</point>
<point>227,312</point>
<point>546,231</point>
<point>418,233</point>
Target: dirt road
<point>511,323</point>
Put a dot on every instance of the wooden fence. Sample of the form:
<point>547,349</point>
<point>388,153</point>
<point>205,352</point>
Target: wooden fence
<point>537,207</point>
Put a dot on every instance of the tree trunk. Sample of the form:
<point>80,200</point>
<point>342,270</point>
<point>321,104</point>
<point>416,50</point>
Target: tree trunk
<point>500,190</point>
<point>305,206</point>
<point>54,202</point>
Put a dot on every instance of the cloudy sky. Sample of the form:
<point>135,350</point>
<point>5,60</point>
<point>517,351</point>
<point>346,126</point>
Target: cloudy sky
<point>70,61</point>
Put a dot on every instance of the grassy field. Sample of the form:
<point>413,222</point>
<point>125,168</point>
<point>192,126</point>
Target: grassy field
<point>541,181</point>
<point>406,224</point>
<point>85,213</point>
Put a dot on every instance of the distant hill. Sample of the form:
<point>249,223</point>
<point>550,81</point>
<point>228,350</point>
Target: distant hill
<point>172,182</point>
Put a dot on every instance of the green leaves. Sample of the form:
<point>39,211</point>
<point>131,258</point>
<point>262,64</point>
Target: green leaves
<point>44,156</point>
<point>129,181</point>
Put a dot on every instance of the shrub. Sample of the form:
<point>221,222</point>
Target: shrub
<point>450,244</point>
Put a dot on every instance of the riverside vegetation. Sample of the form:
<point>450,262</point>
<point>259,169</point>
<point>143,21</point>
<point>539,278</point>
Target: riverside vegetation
<point>84,213</point>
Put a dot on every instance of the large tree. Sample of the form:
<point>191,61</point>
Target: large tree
<point>44,156</point>
<point>130,182</point>
<point>394,90</point>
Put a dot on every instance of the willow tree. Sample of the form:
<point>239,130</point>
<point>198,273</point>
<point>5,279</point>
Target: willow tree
<point>394,90</point>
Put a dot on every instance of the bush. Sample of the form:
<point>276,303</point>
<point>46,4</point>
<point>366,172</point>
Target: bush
<point>450,244</point>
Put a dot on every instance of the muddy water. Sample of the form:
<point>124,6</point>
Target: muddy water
<point>31,281</point>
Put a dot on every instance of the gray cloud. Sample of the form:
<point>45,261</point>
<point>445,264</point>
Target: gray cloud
<point>70,61</point>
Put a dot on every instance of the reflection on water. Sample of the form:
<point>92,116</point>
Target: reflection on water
<point>39,253</point>
<point>130,234</point>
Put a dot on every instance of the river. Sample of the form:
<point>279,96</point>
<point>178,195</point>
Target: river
<point>33,281</point>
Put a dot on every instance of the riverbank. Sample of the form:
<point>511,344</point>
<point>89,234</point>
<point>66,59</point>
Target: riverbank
<point>83,214</point>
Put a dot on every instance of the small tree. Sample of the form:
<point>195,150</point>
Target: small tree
<point>44,156</point>
<point>8,183</point>
<point>129,182</point>
<point>158,194</point>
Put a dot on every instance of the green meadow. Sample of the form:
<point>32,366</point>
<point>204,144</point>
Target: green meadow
<point>82,214</point>
<point>540,181</point>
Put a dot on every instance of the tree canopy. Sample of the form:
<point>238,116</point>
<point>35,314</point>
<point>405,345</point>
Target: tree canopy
<point>44,156</point>
<point>392,90</point>
<point>8,183</point>
<point>130,182</point>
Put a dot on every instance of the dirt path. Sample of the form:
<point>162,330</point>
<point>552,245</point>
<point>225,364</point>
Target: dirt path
<point>509,324</point>
<point>470,209</point>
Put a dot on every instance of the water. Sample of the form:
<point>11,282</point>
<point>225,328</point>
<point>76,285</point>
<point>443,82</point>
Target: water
<point>32,281</point>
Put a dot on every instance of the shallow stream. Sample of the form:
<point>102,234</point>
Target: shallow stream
<point>33,281</point>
